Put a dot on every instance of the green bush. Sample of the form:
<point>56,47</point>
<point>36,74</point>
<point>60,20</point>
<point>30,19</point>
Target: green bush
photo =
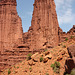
<point>17,67</point>
<point>53,66</point>
<point>71,37</point>
<point>47,74</point>
<point>57,64</point>
<point>56,67</point>
<point>66,39</point>
<point>64,46</point>
<point>41,59</point>
<point>29,56</point>
<point>14,67</point>
<point>56,70</point>
<point>46,50</point>
<point>30,68</point>
<point>73,72</point>
<point>9,71</point>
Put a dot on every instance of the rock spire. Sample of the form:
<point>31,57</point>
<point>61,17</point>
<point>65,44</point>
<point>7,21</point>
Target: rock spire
<point>43,32</point>
<point>10,24</point>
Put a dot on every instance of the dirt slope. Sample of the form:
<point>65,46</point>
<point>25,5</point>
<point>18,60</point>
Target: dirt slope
<point>30,67</point>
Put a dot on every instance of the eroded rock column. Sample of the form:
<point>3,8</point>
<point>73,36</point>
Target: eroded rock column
<point>43,32</point>
<point>10,24</point>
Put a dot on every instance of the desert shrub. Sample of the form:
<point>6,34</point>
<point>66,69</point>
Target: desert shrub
<point>14,67</point>
<point>20,61</point>
<point>29,56</point>
<point>17,67</point>
<point>64,46</point>
<point>56,70</point>
<point>66,39</point>
<point>30,69</point>
<point>71,37</point>
<point>46,50</point>
<point>57,64</point>
<point>67,74</point>
<point>41,59</point>
<point>9,71</point>
<point>73,72</point>
<point>53,66</point>
<point>56,67</point>
<point>47,74</point>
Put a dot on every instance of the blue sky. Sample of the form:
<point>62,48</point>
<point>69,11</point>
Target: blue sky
<point>65,12</point>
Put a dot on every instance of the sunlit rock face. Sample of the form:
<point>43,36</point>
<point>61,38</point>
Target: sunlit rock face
<point>10,24</point>
<point>43,32</point>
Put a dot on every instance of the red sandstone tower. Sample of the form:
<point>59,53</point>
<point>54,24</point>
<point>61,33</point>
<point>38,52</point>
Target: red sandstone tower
<point>43,32</point>
<point>10,24</point>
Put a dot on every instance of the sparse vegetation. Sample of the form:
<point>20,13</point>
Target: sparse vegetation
<point>71,37</point>
<point>72,72</point>
<point>9,71</point>
<point>29,56</point>
<point>20,61</point>
<point>56,67</point>
<point>14,66</point>
<point>30,69</point>
<point>66,39</point>
<point>13,72</point>
<point>17,67</point>
<point>47,74</point>
<point>64,46</point>
<point>46,50</point>
<point>41,59</point>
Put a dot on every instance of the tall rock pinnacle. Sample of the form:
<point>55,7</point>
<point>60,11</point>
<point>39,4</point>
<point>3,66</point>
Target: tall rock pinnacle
<point>10,24</point>
<point>44,26</point>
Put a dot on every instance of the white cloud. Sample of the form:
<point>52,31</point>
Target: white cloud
<point>64,10</point>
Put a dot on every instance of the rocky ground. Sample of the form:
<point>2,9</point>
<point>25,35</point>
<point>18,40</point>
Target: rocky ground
<point>40,63</point>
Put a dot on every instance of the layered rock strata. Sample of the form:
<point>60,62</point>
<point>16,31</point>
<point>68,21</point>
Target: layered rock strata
<point>43,32</point>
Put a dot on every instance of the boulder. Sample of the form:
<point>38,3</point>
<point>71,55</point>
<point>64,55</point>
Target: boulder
<point>59,58</point>
<point>69,65</point>
<point>45,59</point>
<point>31,63</point>
<point>48,56</point>
<point>70,62</point>
<point>35,57</point>
<point>47,52</point>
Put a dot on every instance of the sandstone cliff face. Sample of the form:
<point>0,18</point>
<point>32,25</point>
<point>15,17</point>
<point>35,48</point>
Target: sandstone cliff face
<point>43,32</point>
<point>10,24</point>
<point>11,33</point>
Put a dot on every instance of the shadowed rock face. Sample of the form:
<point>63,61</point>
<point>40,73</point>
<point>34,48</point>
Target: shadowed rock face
<point>70,62</point>
<point>43,32</point>
<point>10,24</point>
